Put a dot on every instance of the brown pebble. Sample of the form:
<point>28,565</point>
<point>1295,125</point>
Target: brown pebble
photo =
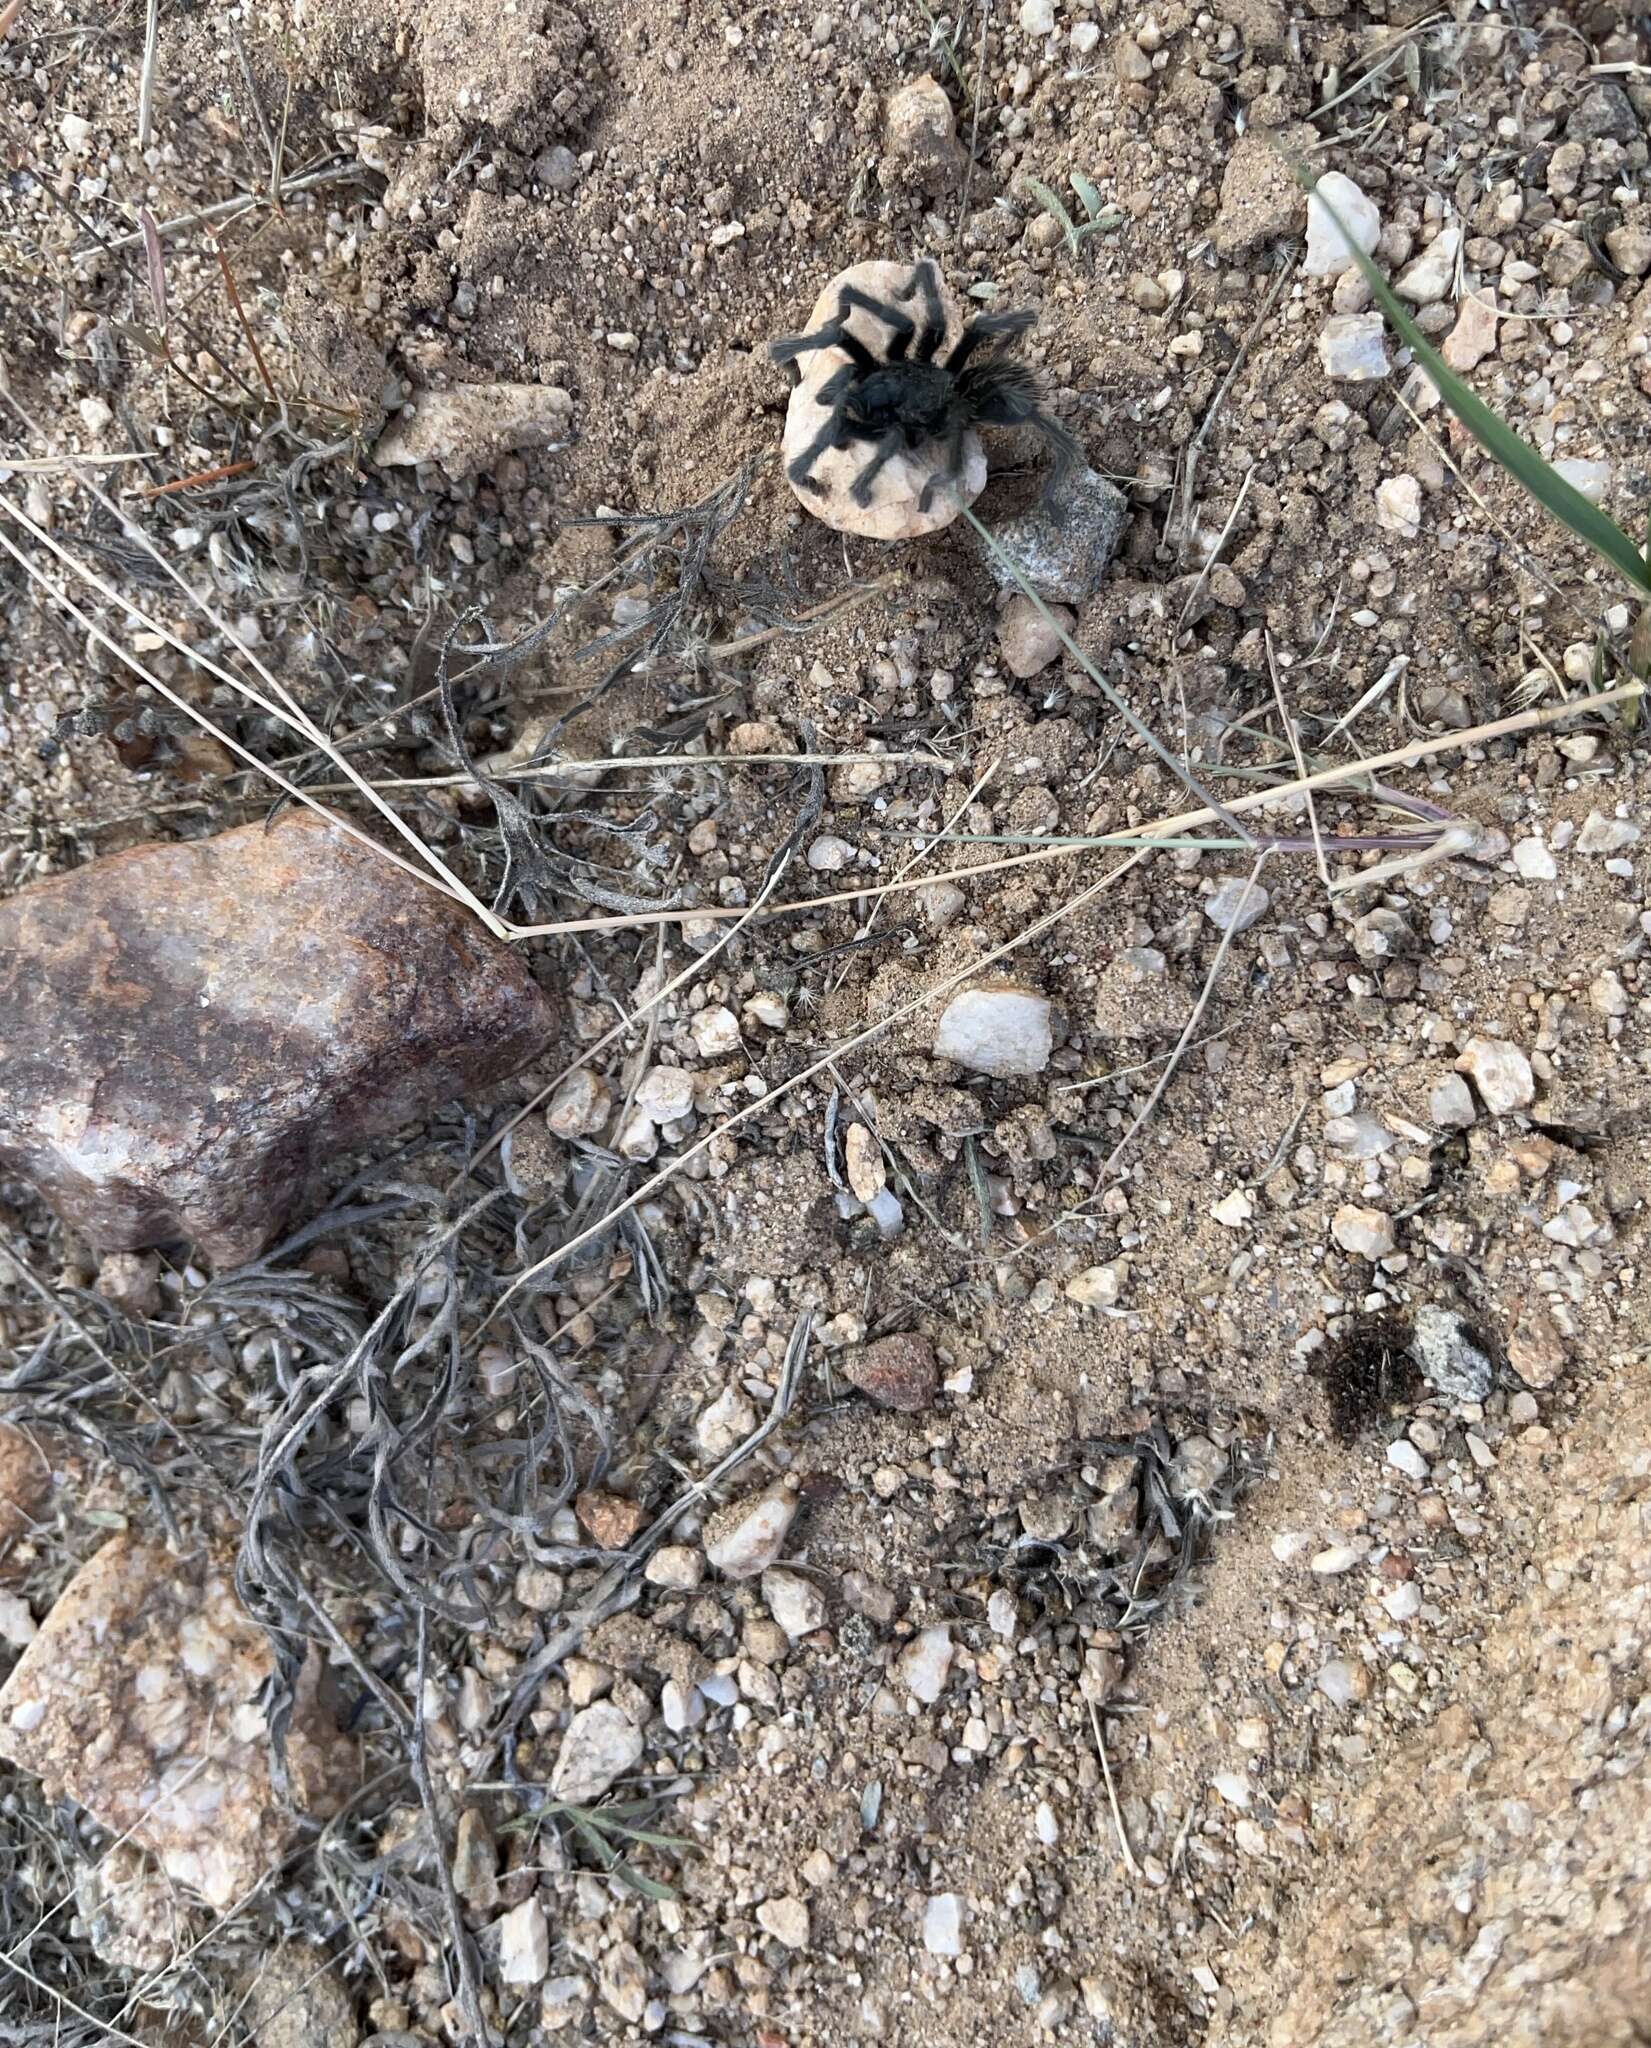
<point>609,1519</point>
<point>897,1372</point>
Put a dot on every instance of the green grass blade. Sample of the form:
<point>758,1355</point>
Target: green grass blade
<point>1536,476</point>
<point>1051,202</point>
<point>1088,196</point>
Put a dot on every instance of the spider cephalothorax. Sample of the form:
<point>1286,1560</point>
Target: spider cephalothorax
<point>911,395</point>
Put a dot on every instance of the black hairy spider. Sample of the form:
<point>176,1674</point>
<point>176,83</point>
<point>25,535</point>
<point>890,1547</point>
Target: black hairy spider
<point>907,398</point>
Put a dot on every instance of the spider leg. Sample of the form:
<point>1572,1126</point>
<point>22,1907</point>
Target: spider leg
<point>832,335</point>
<point>951,471</point>
<point>900,325</point>
<point>925,284</point>
<point>1017,408</point>
<point>889,444</point>
<point>834,392</point>
<point>989,327</point>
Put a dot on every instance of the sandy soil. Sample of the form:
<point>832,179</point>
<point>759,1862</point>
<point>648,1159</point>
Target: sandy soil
<point>1374,1738</point>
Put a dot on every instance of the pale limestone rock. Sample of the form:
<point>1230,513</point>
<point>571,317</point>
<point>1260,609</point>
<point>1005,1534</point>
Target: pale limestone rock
<point>580,1106</point>
<point>1601,834</point>
<point>1328,251</point>
<point>469,429</point>
<point>1236,903</point>
<point>1028,642</point>
<point>786,1919</point>
<point>601,1744</point>
<point>678,1567</point>
<point>1097,1286</point>
<point>666,1093</point>
<point>623,1982</point>
<point>1592,479</point>
<point>796,1603</point>
<point>1533,861</point>
<point>524,1944</point>
<point>1501,1073</point>
<point>1474,335</point>
<point>1353,348</point>
<point>715,1031</point>
<point>996,1027</point>
<point>1450,1104</point>
<point>1399,506</point>
<point>1368,1233</point>
<point>920,145</point>
<point>727,1421</point>
<point>1431,276</point>
<point>925,1664</point>
<point>747,1536</point>
<point>142,1699</point>
<point>943,1925</point>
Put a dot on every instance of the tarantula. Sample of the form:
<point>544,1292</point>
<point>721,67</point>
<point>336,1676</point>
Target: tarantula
<point>906,398</point>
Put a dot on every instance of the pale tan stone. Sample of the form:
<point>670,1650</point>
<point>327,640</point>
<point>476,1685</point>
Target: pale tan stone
<point>142,1700</point>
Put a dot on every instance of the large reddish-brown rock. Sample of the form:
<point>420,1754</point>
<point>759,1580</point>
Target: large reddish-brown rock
<point>187,1030</point>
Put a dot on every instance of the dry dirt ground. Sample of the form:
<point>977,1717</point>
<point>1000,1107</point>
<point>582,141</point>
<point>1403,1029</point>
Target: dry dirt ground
<point>1321,1716</point>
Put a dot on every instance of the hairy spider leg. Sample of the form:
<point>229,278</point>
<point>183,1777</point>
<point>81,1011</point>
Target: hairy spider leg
<point>901,326</point>
<point>952,469</point>
<point>989,327</point>
<point>832,335</point>
<point>1014,404</point>
<point>833,392</point>
<point>925,284</point>
<point>836,333</point>
<point>890,443</point>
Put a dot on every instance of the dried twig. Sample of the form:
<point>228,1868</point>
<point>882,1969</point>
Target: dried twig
<point>1294,739</point>
<point>1130,1864</point>
<point>1189,460</point>
<point>232,209</point>
<point>146,81</point>
<point>974,120</point>
<point>460,1946</point>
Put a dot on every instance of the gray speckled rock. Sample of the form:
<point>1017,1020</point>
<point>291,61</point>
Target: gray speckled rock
<point>1450,1358</point>
<point>1063,544</point>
